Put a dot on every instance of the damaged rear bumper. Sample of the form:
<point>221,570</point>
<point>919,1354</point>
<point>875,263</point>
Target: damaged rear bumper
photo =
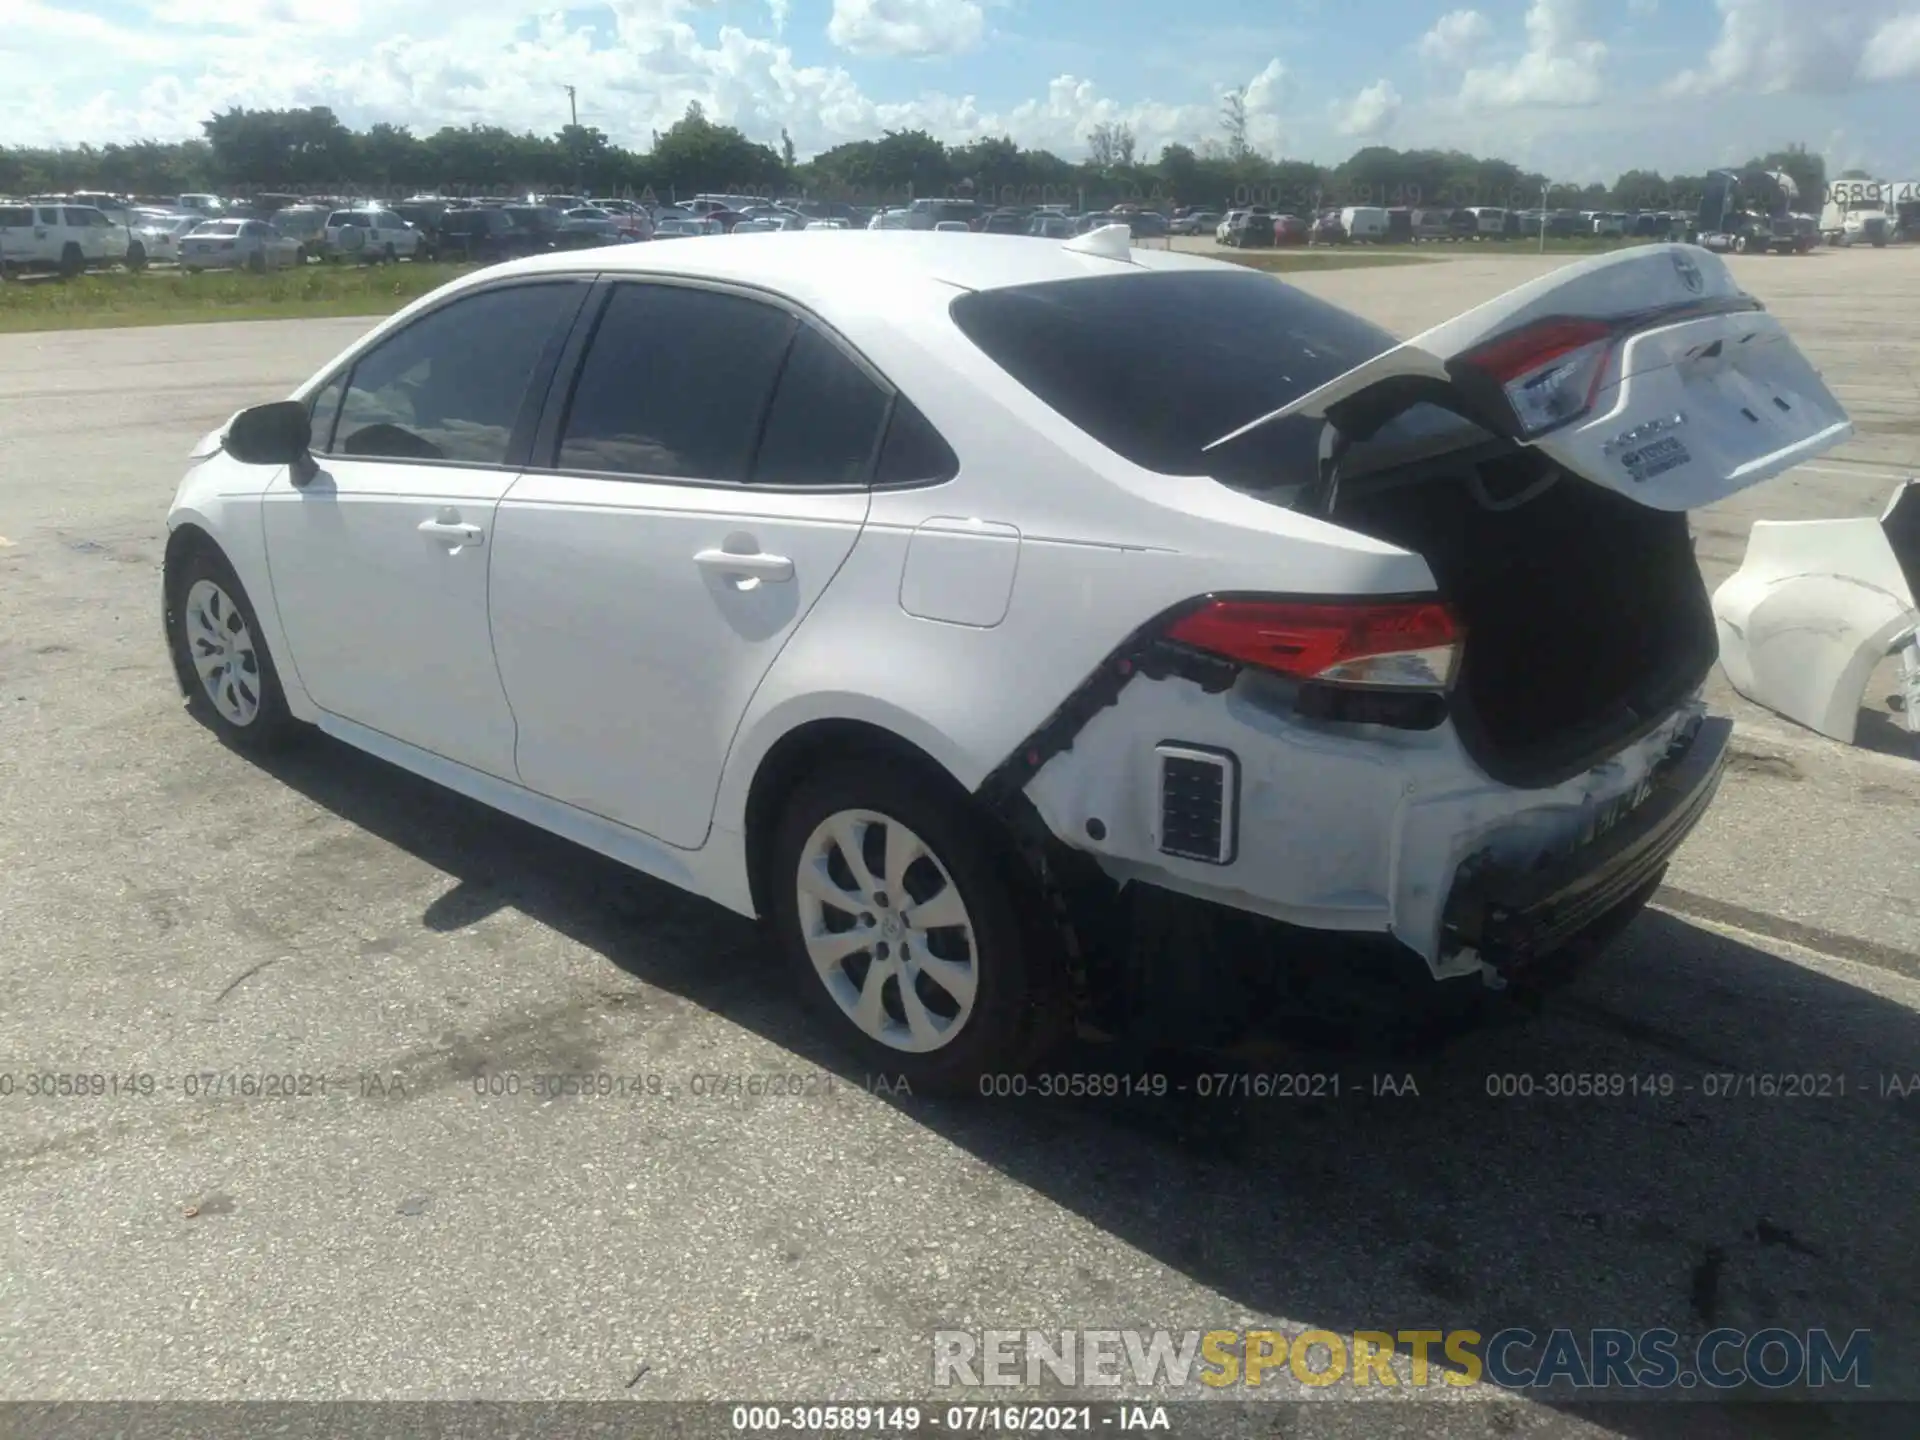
<point>1509,917</point>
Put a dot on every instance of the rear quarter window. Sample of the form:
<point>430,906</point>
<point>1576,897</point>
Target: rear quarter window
<point>12,215</point>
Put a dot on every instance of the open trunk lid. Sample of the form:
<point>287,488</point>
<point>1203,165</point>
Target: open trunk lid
<point>1647,371</point>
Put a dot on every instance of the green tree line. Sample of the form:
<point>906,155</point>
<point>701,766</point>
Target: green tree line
<point>312,151</point>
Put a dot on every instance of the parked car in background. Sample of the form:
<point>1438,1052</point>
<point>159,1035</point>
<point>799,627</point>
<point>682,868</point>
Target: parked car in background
<point>926,214</point>
<point>64,239</point>
<point>832,223</point>
<point>1006,222</point>
<point>1050,226</point>
<point>308,225</point>
<point>1290,230</point>
<point>682,227</point>
<point>1194,222</point>
<point>200,204</point>
<point>484,235</point>
<point>587,221</point>
<point>1327,230</point>
<point>1251,228</point>
<point>159,233</point>
<point>748,226</point>
<point>370,236</point>
<point>238,245</point>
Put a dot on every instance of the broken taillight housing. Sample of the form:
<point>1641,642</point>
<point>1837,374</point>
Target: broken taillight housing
<point>1397,644</point>
<point>1549,372</point>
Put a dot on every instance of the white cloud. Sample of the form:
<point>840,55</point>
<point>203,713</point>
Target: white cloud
<point>1769,47</point>
<point>1560,67</point>
<point>906,27</point>
<point>1371,113</point>
<point>778,11</point>
<point>1641,9</point>
<point>1456,37</point>
<point>1893,53</point>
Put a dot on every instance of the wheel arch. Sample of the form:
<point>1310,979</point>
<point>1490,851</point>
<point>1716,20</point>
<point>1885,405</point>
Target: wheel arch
<point>241,546</point>
<point>802,750</point>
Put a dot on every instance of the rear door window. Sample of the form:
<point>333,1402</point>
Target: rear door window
<point>13,216</point>
<point>451,385</point>
<point>675,384</point>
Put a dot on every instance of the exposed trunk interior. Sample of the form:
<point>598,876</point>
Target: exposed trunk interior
<point>1586,616</point>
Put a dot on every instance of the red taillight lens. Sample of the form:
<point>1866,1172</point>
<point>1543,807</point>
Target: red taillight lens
<point>1549,372</point>
<point>1395,643</point>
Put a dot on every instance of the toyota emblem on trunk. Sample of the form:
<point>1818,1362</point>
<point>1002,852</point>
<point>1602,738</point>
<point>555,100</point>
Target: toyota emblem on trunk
<point>1689,272</point>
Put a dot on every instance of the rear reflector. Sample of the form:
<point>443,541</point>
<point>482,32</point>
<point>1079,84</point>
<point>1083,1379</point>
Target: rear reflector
<point>1392,643</point>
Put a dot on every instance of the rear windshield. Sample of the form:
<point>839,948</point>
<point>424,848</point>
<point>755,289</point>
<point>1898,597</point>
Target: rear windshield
<point>1156,366</point>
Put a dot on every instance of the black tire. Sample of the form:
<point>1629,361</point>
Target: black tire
<point>1020,1005</point>
<point>389,256</point>
<point>136,258</point>
<point>271,725</point>
<point>257,262</point>
<point>72,262</point>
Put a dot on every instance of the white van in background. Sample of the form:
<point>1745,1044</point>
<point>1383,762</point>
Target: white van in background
<point>1491,220</point>
<point>1364,222</point>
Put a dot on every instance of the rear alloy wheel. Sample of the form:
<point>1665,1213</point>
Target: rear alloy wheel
<point>1740,244</point>
<point>232,684</point>
<point>904,924</point>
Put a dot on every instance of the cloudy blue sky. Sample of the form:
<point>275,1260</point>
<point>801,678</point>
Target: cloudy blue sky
<point>1578,88</point>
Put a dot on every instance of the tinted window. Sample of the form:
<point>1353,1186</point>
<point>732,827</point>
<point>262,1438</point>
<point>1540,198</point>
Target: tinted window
<point>913,451</point>
<point>450,385</point>
<point>675,384</point>
<point>1157,366</point>
<point>15,215</point>
<point>825,419</point>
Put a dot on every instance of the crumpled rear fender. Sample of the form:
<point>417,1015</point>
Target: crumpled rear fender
<point>1812,611</point>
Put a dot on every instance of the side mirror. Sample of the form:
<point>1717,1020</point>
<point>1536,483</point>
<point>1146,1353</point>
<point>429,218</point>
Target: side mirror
<point>275,434</point>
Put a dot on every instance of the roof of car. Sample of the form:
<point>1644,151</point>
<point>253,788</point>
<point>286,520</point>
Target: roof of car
<point>804,263</point>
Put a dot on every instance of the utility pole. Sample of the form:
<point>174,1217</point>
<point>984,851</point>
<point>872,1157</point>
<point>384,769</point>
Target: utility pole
<point>573,135</point>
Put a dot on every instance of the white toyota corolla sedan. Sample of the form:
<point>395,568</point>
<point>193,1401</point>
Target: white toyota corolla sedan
<point>938,597</point>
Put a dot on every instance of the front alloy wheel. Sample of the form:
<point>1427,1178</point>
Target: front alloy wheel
<point>225,656</point>
<point>222,661</point>
<point>887,931</point>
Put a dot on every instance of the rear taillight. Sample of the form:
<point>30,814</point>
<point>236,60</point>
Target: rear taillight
<point>1549,372</point>
<point>1399,644</point>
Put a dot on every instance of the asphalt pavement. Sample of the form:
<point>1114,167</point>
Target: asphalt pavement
<point>415,1222</point>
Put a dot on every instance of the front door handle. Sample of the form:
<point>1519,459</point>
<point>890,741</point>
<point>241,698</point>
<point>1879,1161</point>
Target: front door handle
<point>452,533</point>
<point>747,565</point>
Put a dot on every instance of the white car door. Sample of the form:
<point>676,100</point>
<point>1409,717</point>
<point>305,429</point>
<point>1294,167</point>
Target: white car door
<point>644,584</point>
<point>379,562</point>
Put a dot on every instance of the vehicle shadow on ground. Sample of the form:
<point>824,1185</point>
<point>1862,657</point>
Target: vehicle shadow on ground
<point>1421,1196</point>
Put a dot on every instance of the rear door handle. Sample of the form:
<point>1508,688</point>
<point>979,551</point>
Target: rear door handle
<point>771,568</point>
<point>452,532</point>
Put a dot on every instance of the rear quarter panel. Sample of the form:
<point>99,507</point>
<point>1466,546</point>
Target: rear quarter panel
<point>1102,549</point>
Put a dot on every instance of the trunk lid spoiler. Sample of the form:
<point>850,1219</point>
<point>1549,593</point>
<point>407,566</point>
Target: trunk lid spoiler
<point>1648,371</point>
